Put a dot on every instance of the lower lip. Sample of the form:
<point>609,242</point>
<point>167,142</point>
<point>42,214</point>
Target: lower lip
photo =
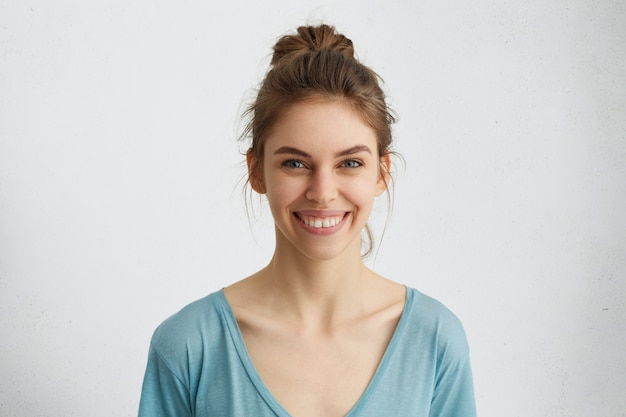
<point>322,231</point>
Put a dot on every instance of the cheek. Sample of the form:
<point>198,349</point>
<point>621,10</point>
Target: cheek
<point>362,191</point>
<point>282,191</point>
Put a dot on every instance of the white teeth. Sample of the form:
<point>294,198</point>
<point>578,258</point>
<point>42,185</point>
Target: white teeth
<point>319,222</point>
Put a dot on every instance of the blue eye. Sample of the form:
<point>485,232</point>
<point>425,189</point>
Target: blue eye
<point>352,163</point>
<point>293,163</point>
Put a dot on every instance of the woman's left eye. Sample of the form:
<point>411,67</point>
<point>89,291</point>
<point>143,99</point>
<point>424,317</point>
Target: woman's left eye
<point>352,163</point>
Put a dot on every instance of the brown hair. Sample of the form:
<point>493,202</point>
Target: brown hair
<point>318,63</point>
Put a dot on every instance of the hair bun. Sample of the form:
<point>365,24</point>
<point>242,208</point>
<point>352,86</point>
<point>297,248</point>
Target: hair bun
<point>309,39</point>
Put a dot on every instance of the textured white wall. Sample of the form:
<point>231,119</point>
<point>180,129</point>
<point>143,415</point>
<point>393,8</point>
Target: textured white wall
<point>119,198</point>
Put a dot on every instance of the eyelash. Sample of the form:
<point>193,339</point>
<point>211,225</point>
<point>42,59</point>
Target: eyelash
<point>358,164</point>
<point>291,162</point>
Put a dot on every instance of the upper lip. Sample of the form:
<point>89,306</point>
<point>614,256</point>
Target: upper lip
<point>321,213</point>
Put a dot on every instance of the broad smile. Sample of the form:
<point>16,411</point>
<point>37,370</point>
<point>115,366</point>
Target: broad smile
<point>321,223</point>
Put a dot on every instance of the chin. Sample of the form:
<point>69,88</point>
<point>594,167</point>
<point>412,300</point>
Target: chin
<point>328,252</point>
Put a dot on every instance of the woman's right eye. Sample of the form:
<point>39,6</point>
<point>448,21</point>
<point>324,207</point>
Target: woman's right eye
<point>293,163</point>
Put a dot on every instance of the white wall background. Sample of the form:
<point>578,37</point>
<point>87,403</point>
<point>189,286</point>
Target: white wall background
<point>119,197</point>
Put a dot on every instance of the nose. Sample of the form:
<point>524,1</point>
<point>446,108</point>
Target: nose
<point>322,187</point>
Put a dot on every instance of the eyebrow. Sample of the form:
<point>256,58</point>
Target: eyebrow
<point>295,151</point>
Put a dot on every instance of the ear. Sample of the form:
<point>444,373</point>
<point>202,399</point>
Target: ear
<point>254,172</point>
<point>384,175</point>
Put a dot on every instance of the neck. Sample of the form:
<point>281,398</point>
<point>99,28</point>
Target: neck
<point>316,292</point>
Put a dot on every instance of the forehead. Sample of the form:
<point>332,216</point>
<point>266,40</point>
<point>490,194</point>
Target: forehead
<point>320,126</point>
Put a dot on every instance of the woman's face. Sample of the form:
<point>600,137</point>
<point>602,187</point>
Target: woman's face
<point>321,172</point>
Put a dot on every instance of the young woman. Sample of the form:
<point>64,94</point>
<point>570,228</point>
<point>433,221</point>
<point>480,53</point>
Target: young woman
<point>315,333</point>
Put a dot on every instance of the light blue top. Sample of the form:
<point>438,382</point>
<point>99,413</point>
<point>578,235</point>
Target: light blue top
<point>198,366</point>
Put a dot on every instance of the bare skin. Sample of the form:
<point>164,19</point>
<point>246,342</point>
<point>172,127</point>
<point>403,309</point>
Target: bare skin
<point>317,355</point>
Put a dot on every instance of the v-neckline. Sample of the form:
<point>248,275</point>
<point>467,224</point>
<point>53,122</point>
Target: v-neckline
<point>264,391</point>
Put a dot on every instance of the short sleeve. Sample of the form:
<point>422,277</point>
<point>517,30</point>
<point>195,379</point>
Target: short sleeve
<point>453,394</point>
<point>163,393</point>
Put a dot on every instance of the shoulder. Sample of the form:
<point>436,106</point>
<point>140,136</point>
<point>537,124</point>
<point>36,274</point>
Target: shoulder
<point>429,319</point>
<point>181,349</point>
<point>441,335</point>
<point>189,329</point>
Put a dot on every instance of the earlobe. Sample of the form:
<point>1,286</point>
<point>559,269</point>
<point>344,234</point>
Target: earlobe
<point>254,177</point>
<point>384,176</point>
